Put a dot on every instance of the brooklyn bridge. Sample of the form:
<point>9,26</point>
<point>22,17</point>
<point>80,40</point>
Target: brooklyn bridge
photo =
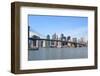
<point>35,41</point>
<point>40,42</point>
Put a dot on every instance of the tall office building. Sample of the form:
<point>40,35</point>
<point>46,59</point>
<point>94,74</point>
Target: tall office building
<point>59,43</point>
<point>68,38</point>
<point>48,41</point>
<point>82,40</point>
<point>75,42</point>
<point>54,43</point>
<point>63,39</point>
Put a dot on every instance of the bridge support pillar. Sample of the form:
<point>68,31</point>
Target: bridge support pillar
<point>44,43</point>
<point>75,45</point>
<point>37,43</point>
<point>59,44</point>
<point>69,44</point>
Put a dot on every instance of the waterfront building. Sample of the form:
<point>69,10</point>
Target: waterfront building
<point>54,43</point>
<point>78,40</point>
<point>82,40</point>
<point>74,40</point>
<point>62,35</point>
<point>48,41</point>
<point>59,43</point>
<point>87,44</point>
<point>63,39</point>
<point>68,38</point>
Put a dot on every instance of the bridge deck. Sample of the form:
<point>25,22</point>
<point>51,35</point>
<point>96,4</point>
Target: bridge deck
<point>57,41</point>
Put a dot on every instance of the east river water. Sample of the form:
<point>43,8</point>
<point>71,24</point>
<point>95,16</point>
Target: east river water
<point>58,53</point>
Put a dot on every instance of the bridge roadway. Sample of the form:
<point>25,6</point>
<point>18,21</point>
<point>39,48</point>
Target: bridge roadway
<point>57,41</point>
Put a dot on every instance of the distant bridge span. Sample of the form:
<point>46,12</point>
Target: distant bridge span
<point>58,41</point>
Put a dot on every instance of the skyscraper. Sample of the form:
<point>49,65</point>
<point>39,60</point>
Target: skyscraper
<point>68,38</point>
<point>48,41</point>
<point>54,43</point>
<point>74,40</point>
<point>63,39</point>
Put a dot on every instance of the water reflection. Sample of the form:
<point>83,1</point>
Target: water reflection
<point>57,53</point>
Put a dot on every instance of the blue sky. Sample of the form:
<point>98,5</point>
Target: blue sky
<point>68,25</point>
